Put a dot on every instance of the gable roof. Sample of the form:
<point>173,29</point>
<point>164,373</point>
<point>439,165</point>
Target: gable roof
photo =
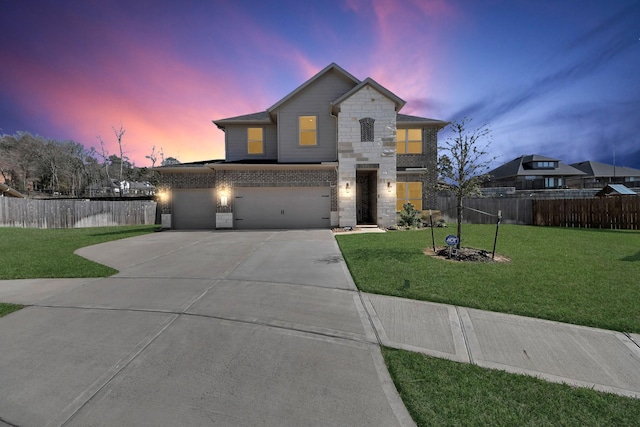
<point>267,117</point>
<point>377,86</point>
<point>598,169</point>
<point>515,168</point>
<point>329,68</point>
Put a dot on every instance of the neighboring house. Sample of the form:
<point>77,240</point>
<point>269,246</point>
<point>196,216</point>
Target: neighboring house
<point>6,191</point>
<point>334,152</point>
<point>117,188</point>
<point>532,172</point>
<point>598,174</point>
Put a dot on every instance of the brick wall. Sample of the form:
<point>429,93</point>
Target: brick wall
<point>275,178</point>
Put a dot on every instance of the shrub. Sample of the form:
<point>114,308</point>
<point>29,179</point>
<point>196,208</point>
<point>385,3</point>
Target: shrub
<point>409,216</point>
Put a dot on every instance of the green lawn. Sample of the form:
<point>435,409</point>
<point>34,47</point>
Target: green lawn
<point>440,392</point>
<point>581,276</point>
<point>35,253</point>
<point>8,308</point>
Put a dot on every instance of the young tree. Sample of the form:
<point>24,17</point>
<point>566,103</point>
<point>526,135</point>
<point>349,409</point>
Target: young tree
<point>464,165</point>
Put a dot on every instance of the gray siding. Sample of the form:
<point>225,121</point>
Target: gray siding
<point>314,100</point>
<point>236,143</point>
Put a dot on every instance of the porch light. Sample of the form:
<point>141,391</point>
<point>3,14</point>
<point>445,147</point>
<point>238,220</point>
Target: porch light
<point>164,196</point>
<point>346,188</point>
<point>389,186</point>
<point>224,197</point>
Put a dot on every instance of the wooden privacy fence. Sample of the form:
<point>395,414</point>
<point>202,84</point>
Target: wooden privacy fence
<point>69,213</point>
<point>514,210</point>
<point>618,212</point>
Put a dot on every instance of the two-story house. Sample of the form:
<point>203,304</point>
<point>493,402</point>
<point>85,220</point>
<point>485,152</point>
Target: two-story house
<point>532,172</point>
<point>334,152</point>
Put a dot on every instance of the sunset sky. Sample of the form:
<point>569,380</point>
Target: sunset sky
<point>555,78</point>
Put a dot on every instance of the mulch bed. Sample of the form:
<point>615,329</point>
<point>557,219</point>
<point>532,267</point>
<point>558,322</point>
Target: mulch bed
<point>465,255</point>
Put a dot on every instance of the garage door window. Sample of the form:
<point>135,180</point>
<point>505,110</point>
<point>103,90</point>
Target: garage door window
<point>255,143</point>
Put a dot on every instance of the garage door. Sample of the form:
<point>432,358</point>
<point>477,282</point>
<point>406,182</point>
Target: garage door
<point>282,207</point>
<point>193,209</point>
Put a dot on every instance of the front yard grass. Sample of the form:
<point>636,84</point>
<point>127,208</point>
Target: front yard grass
<point>8,308</point>
<point>29,253</point>
<point>441,392</point>
<point>581,276</point>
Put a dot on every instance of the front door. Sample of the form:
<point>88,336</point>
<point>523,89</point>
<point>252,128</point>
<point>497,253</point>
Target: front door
<point>366,196</point>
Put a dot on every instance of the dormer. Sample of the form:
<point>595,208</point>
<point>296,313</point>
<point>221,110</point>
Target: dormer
<point>535,162</point>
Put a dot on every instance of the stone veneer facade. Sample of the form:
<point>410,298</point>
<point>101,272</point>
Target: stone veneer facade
<point>352,151</point>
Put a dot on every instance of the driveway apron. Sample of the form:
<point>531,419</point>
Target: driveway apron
<point>200,328</point>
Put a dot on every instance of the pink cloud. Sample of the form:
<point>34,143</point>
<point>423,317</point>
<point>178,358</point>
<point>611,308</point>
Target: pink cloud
<point>400,27</point>
<point>155,96</point>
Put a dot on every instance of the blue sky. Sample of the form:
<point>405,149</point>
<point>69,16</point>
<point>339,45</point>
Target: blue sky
<point>556,78</point>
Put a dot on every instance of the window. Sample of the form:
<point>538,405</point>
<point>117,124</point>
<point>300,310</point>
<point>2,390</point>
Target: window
<point>546,165</point>
<point>255,144</point>
<point>553,182</point>
<point>409,192</point>
<point>308,130</point>
<point>409,141</point>
<point>366,129</point>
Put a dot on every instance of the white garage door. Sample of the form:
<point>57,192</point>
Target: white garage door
<point>282,207</point>
<point>193,209</point>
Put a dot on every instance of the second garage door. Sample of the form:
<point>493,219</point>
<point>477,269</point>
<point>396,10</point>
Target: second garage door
<point>282,207</point>
<point>193,209</point>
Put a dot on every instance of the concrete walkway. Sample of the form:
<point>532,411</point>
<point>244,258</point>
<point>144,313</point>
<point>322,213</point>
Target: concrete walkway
<point>246,328</point>
<point>587,357</point>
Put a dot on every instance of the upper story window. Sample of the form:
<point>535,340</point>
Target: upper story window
<point>409,141</point>
<point>546,165</point>
<point>308,130</point>
<point>366,129</point>
<point>255,143</point>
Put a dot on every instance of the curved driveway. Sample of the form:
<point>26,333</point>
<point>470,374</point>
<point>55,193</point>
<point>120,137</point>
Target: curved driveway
<point>199,328</point>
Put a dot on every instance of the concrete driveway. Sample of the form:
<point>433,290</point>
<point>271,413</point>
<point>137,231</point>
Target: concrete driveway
<point>198,328</point>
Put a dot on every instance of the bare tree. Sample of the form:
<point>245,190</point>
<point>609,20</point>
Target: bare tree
<point>18,156</point>
<point>464,165</point>
<point>105,161</point>
<point>152,156</point>
<point>119,134</point>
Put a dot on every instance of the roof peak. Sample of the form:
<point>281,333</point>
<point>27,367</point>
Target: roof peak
<point>331,67</point>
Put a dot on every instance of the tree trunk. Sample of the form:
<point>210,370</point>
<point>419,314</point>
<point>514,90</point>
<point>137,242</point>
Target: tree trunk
<point>459,212</point>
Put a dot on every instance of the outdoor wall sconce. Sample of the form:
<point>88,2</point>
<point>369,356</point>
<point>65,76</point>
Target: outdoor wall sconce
<point>389,186</point>
<point>346,188</point>
<point>224,197</point>
<point>164,196</point>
